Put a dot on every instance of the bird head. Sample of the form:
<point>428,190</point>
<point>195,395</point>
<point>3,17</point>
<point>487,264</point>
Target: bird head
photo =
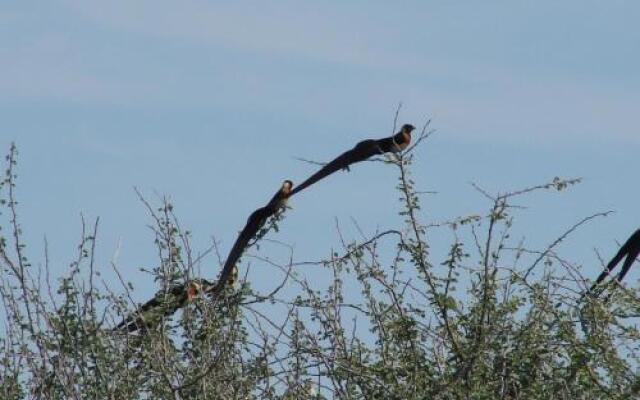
<point>193,289</point>
<point>407,128</point>
<point>287,185</point>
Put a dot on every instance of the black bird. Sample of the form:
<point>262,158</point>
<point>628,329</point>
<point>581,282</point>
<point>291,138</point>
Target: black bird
<point>255,222</point>
<point>630,249</point>
<point>360,152</point>
<point>163,304</point>
<point>166,303</point>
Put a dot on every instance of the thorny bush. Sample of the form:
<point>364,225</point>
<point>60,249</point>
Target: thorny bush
<point>489,320</point>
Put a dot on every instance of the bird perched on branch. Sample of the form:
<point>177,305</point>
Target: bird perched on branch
<point>254,224</point>
<point>629,251</point>
<point>166,303</point>
<point>163,304</point>
<point>360,152</point>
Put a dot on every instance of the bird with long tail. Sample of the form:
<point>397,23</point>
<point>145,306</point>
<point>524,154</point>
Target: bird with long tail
<point>255,223</point>
<point>629,252</point>
<point>360,152</point>
<point>166,303</point>
<point>163,304</point>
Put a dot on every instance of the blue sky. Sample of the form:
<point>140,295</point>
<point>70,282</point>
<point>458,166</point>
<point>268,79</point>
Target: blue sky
<point>210,103</point>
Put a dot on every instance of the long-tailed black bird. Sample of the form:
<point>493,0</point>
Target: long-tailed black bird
<point>362,151</point>
<point>630,249</point>
<point>163,304</point>
<point>255,222</point>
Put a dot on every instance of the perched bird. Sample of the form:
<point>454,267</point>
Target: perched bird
<point>360,152</point>
<point>163,304</point>
<point>255,222</point>
<point>630,249</point>
<point>166,303</point>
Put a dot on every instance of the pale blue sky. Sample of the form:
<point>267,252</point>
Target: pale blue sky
<point>210,102</point>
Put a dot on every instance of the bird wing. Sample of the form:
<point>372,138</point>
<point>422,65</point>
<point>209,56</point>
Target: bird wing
<point>360,152</point>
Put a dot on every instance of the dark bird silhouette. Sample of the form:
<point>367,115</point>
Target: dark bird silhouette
<point>166,303</point>
<point>360,152</point>
<point>254,224</point>
<point>630,249</point>
<point>163,304</point>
